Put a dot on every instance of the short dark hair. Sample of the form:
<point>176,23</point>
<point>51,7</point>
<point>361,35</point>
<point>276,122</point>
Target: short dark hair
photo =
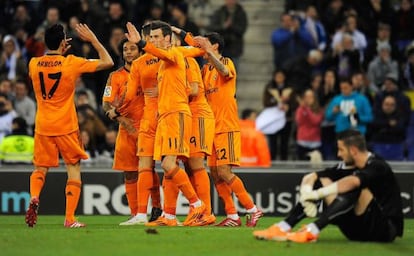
<point>247,113</point>
<point>353,138</point>
<point>54,36</point>
<point>146,29</point>
<point>216,38</point>
<point>345,80</point>
<point>164,26</point>
<point>3,95</point>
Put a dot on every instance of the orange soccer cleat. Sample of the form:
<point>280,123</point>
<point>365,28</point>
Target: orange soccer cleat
<point>274,233</point>
<point>195,214</point>
<point>303,235</point>
<point>162,221</point>
<point>205,220</point>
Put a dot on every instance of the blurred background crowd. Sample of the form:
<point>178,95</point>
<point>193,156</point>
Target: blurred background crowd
<point>337,65</point>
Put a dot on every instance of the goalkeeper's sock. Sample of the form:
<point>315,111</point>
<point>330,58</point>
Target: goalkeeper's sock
<point>144,188</point>
<point>284,226</point>
<point>224,192</point>
<point>73,190</point>
<point>342,204</point>
<point>295,216</point>
<point>37,180</point>
<point>313,229</point>
<point>131,192</point>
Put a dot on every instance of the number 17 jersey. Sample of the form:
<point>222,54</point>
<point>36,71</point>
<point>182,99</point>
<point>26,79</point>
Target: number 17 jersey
<point>53,78</point>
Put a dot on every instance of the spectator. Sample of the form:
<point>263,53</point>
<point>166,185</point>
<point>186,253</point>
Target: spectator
<point>76,43</point>
<point>382,66</point>
<point>329,88</point>
<point>35,44</point>
<point>156,13</point>
<point>24,105</point>
<point>52,17</point>
<point>230,20</point>
<point>18,147</point>
<point>200,11</point>
<point>390,87</point>
<point>333,16</point>
<point>361,85</point>
<point>349,110</point>
<point>404,30</point>
<point>350,27</point>
<point>409,70</point>
<point>89,148</point>
<point>108,147</point>
<point>254,148</point>
<point>315,28</point>
<point>299,70</point>
<point>90,122</point>
<point>389,125</point>
<point>179,14</point>
<point>383,38</point>
<point>7,114</point>
<point>299,4</point>
<point>117,34</point>
<point>316,83</point>
<point>22,20</point>
<point>372,12</point>
<point>116,18</point>
<point>84,96</point>
<point>345,58</point>
<point>308,119</point>
<point>277,93</point>
<point>7,88</point>
<point>290,40</point>
<point>12,64</point>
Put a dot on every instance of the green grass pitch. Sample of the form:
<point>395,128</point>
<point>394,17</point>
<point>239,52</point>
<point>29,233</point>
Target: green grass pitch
<point>103,236</point>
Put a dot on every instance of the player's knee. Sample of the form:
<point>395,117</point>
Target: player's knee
<point>225,173</point>
<point>130,176</point>
<point>168,164</point>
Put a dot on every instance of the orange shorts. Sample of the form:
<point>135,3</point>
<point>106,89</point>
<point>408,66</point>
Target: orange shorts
<point>125,157</point>
<point>202,135</point>
<point>173,136</point>
<point>47,149</point>
<point>226,149</point>
<point>146,137</point>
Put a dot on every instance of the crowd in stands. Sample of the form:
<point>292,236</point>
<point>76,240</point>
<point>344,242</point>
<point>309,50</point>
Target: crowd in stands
<point>338,65</point>
<point>349,65</point>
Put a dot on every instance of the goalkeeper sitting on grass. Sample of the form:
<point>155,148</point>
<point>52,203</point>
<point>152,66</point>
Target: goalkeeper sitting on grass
<point>361,194</point>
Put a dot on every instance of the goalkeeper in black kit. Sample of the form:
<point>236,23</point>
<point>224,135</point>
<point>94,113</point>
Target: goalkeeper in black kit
<point>361,195</point>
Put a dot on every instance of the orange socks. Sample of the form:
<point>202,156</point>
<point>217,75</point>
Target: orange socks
<point>180,178</point>
<point>144,188</point>
<point>37,180</point>
<point>170,195</point>
<point>201,184</point>
<point>131,195</point>
<point>155,190</point>
<point>224,192</point>
<point>236,184</point>
<point>73,190</point>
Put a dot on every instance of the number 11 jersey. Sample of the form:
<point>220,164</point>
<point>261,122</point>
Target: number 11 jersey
<point>53,78</point>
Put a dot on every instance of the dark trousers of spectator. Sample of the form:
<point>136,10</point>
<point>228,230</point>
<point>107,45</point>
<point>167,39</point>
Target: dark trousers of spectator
<point>329,147</point>
<point>279,142</point>
<point>302,152</point>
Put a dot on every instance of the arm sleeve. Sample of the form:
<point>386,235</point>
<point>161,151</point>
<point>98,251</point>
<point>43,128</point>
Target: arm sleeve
<point>372,172</point>
<point>133,83</point>
<point>110,89</point>
<point>84,65</point>
<point>191,51</point>
<point>165,55</point>
<point>193,71</point>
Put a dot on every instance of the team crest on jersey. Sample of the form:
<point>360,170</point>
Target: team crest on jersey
<point>108,91</point>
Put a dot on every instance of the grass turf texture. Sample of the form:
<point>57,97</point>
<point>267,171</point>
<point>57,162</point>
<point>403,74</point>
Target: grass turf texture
<point>103,236</point>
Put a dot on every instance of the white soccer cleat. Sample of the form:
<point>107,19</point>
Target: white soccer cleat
<point>134,220</point>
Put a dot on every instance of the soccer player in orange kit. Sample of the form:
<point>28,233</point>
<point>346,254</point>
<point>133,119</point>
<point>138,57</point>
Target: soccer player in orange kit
<point>53,76</point>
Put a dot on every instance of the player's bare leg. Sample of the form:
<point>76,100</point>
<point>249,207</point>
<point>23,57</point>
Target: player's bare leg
<point>72,191</point>
<point>37,181</point>
<point>236,185</point>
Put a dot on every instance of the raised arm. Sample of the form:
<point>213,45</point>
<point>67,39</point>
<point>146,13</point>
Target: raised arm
<point>212,56</point>
<point>105,60</point>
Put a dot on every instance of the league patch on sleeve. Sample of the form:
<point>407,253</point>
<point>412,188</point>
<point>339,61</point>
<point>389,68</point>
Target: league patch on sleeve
<point>108,91</point>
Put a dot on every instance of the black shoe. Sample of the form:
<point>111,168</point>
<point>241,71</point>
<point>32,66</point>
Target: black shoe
<point>155,213</point>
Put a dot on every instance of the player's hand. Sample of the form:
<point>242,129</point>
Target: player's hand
<point>85,33</point>
<point>175,30</point>
<point>112,114</point>
<point>127,124</point>
<point>133,34</point>
<point>67,45</point>
<point>310,209</point>
<point>204,43</point>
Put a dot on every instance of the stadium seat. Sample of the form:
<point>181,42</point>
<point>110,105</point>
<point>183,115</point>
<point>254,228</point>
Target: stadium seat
<point>393,152</point>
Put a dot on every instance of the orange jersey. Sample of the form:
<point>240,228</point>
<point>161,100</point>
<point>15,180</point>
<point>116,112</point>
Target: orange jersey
<point>115,87</point>
<point>198,105</point>
<point>172,84</point>
<point>53,78</point>
<point>143,76</point>
<point>221,95</point>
